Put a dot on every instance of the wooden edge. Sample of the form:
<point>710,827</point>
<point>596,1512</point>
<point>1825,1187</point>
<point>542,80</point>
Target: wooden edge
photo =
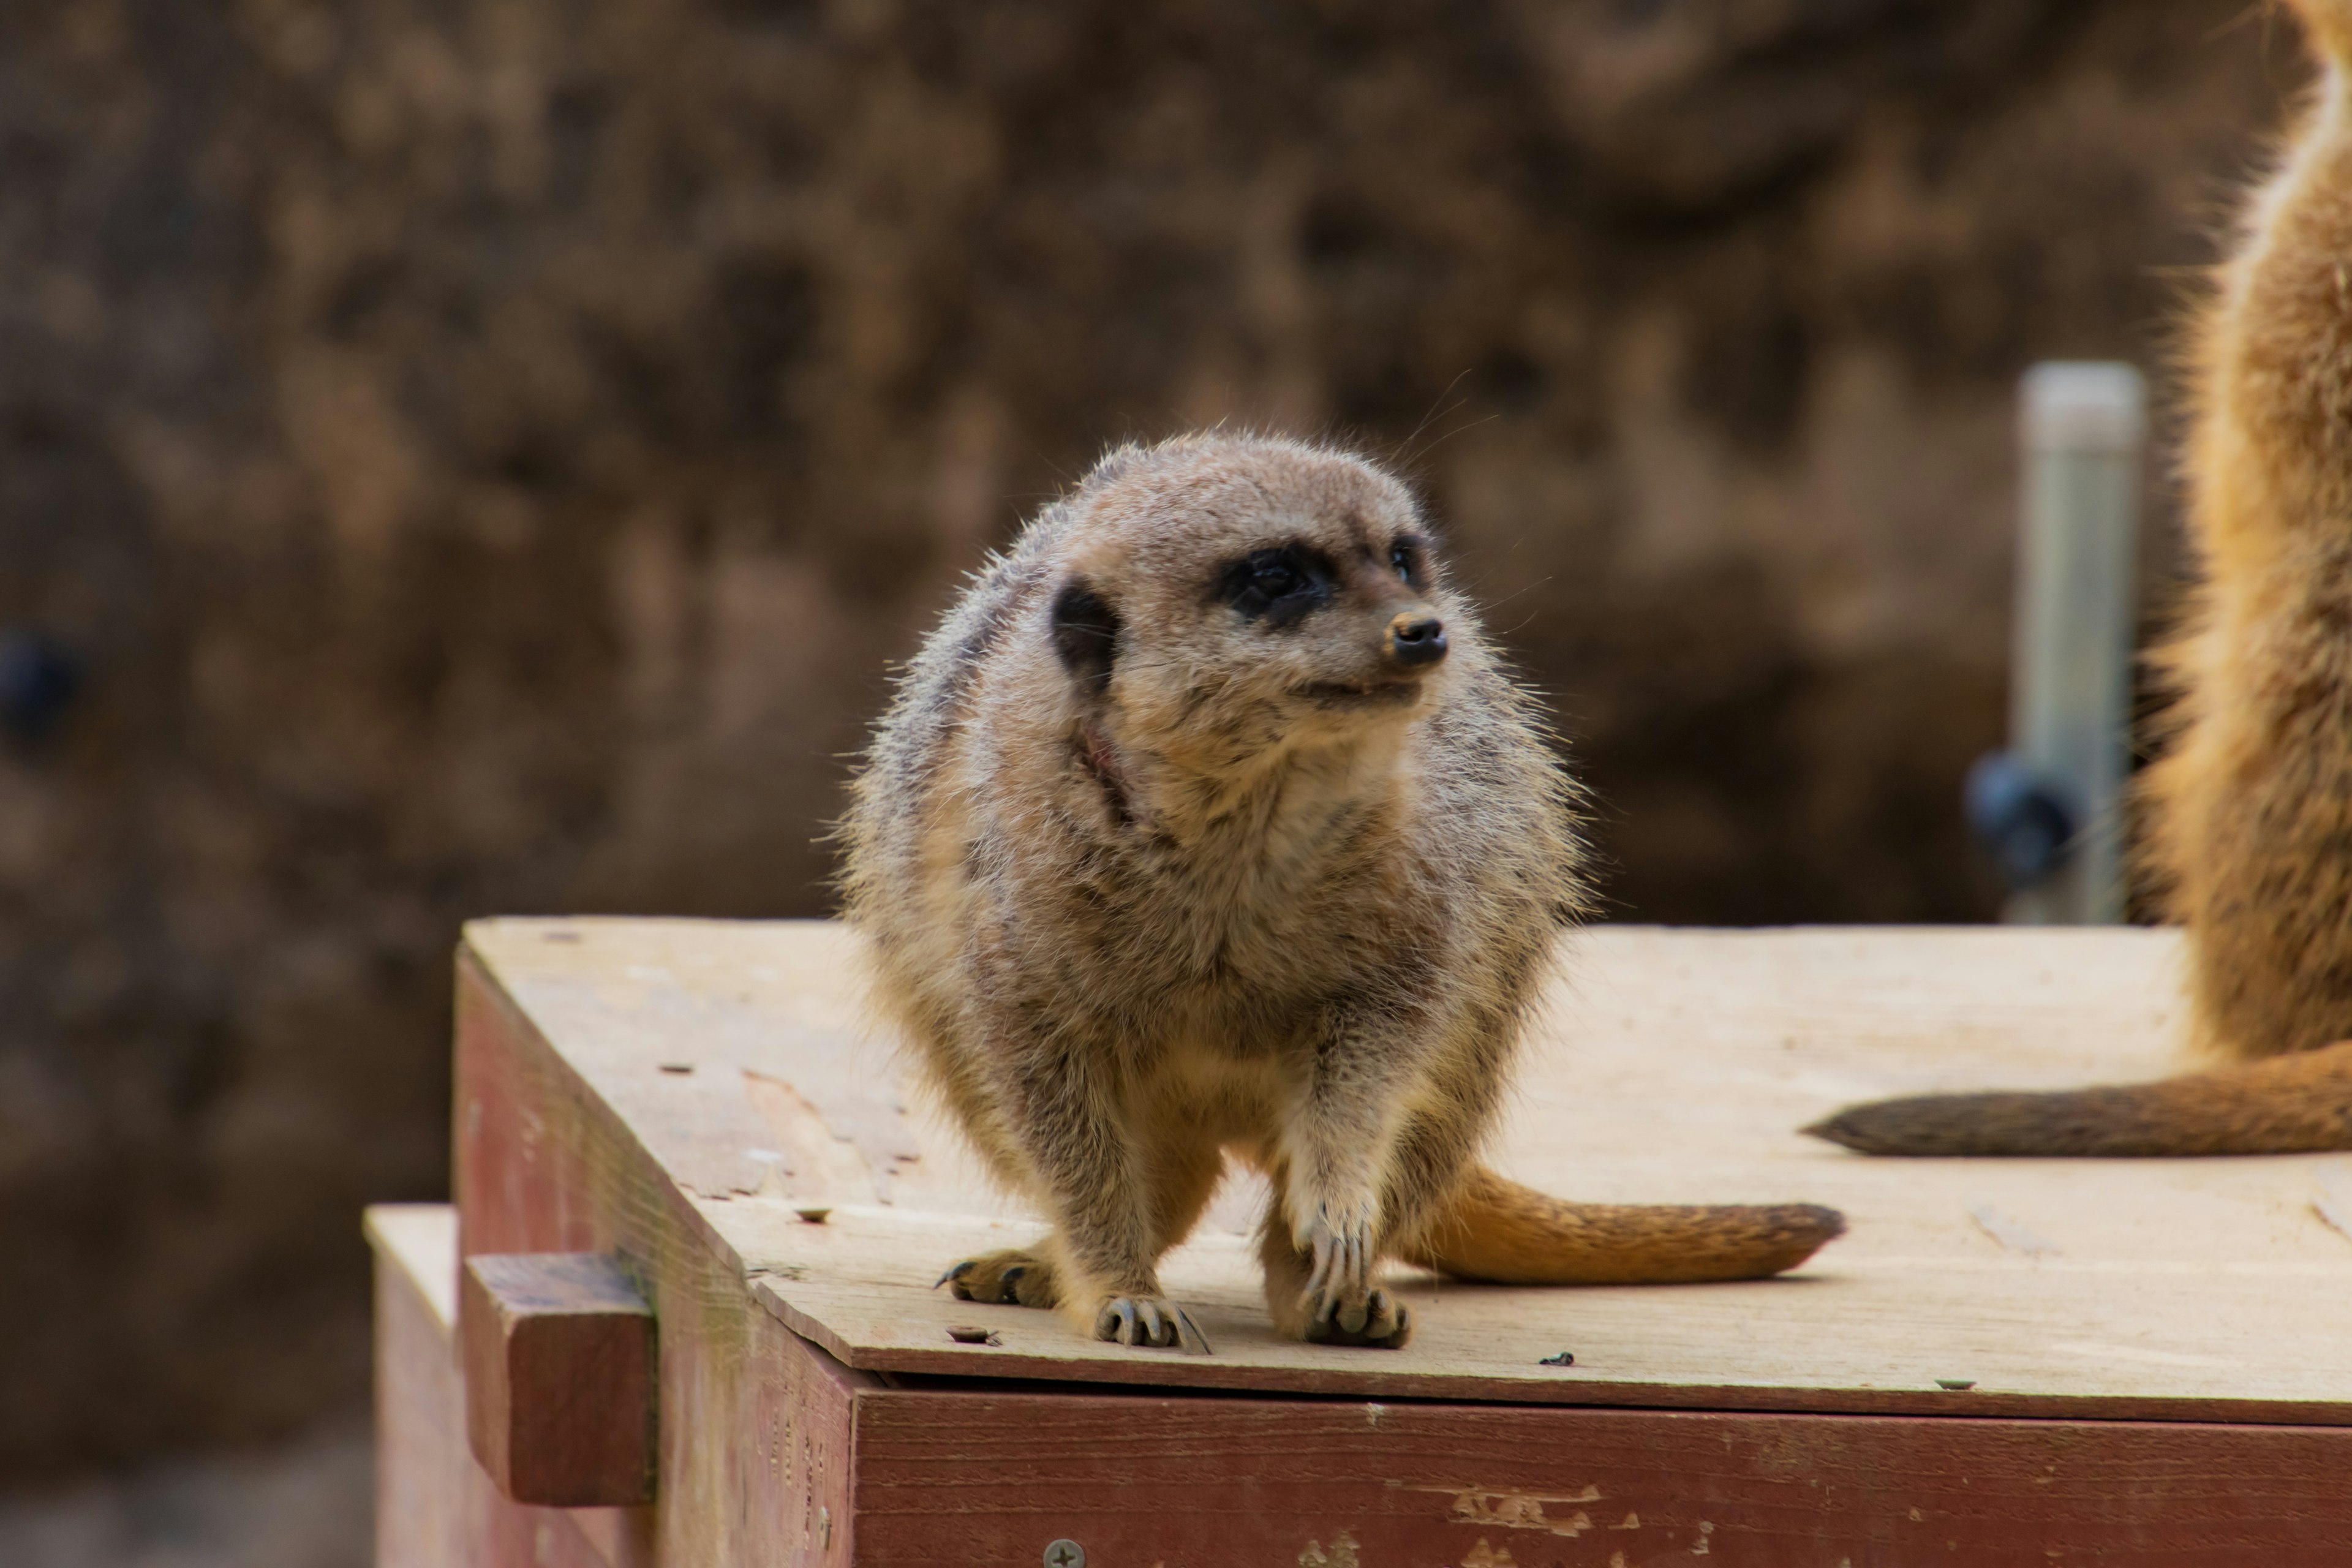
<point>420,1241</point>
<point>1140,1479</point>
<point>434,1506</point>
<point>1146,1370</point>
<point>756,1423</point>
<point>421,1480</point>
<point>558,1284</point>
<point>561,1388</point>
<point>477,979</point>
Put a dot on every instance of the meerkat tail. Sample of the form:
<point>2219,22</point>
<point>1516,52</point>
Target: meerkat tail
<point>1504,1234</point>
<point>2298,1104</point>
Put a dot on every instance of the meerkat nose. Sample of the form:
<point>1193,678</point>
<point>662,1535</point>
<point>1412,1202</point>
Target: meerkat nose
<point>1417,638</point>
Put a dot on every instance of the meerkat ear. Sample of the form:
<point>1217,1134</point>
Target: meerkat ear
<point>1086,634</point>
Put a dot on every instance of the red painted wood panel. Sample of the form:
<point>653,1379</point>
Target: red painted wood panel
<point>435,1507</point>
<point>558,1353</point>
<point>754,1425</point>
<point>1212,1482</point>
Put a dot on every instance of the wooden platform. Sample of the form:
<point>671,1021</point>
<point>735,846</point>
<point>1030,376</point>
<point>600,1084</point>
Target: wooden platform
<point>2006,1362</point>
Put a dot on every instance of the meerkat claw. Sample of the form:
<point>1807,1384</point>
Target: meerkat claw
<point>1379,1320</point>
<point>1146,1322</point>
<point>1008,1279</point>
<point>1188,1337</point>
<point>1341,1275</point>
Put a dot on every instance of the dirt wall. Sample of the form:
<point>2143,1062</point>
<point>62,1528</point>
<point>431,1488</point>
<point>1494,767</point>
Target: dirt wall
<point>481,455</point>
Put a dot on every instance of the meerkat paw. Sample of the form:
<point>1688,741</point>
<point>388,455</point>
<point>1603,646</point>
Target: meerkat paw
<point>1342,1305</point>
<point>1011,1279</point>
<point>1376,1319</point>
<point>1149,1321</point>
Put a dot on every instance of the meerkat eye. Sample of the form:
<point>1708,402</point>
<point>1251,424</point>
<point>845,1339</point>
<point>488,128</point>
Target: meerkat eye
<point>1274,578</point>
<point>1406,558</point>
<point>1276,587</point>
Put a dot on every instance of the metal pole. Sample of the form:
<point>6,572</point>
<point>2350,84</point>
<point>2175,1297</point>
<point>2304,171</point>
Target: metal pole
<point>2084,427</point>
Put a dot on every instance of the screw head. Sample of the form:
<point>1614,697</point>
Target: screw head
<point>1066,1554</point>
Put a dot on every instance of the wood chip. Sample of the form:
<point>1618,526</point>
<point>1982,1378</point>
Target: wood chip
<point>2009,1233</point>
<point>2334,1203</point>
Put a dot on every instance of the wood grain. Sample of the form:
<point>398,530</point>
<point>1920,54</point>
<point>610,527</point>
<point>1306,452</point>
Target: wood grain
<point>420,1443</point>
<point>558,1353</point>
<point>754,1425</point>
<point>435,1507</point>
<point>1257,1483</point>
<point>1675,1066</point>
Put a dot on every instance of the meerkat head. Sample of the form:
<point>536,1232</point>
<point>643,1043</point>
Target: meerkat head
<point>1220,597</point>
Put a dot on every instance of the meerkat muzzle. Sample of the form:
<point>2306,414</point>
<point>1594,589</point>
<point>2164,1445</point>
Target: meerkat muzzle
<point>1415,637</point>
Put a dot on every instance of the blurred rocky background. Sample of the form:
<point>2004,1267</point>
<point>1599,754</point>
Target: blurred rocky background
<point>469,455</point>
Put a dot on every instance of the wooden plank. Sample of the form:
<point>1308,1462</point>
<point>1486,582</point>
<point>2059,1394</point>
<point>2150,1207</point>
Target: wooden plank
<point>786,1443</point>
<point>754,1425</point>
<point>435,1507</point>
<point>558,1353</point>
<point>420,1486</point>
<point>1674,1067</point>
<point>1257,1483</point>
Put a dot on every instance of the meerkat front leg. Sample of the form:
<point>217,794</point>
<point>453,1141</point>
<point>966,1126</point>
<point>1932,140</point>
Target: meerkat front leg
<point>1108,1196</point>
<point>1324,1233</point>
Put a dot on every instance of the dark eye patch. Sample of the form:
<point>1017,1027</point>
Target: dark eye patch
<point>1279,586</point>
<point>1086,634</point>
<point>1409,559</point>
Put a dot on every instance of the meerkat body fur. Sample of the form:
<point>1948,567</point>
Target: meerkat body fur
<point>2249,812</point>
<point>1207,825</point>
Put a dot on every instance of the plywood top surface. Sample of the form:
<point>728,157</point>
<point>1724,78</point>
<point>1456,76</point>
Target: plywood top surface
<point>1675,1066</point>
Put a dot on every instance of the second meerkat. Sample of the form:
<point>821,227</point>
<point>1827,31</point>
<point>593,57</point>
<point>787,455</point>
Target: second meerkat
<point>1207,824</point>
<point>2250,810</point>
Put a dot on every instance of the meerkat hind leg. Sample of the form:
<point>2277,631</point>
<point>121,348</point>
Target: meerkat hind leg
<point>1011,1277</point>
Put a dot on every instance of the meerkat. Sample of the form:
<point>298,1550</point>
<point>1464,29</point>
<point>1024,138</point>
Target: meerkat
<point>1210,824</point>
<point>2249,813</point>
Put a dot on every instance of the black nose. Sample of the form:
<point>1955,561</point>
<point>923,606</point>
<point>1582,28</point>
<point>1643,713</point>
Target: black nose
<point>1416,639</point>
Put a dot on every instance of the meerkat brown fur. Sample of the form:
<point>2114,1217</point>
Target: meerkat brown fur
<point>1207,824</point>
<point>2250,811</point>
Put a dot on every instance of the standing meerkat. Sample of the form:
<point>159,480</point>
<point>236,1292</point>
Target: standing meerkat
<point>1209,823</point>
<point>2250,812</point>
